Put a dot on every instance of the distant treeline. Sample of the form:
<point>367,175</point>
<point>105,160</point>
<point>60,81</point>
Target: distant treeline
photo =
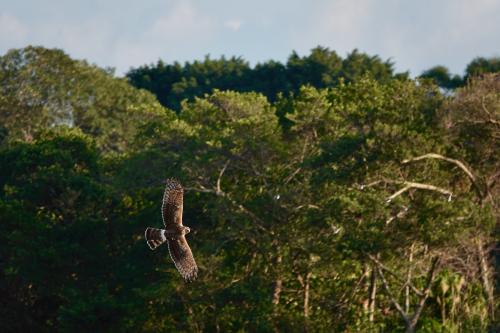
<point>322,68</point>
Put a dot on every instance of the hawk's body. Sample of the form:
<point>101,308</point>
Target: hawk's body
<point>174,232</point>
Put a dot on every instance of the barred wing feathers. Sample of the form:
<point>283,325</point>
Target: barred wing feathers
<point>183,258</point>
<point>154,237</point>
<point>172,204</point>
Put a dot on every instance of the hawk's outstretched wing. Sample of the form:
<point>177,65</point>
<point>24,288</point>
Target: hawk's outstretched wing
<point>183,258</point>
<point>171,208</point>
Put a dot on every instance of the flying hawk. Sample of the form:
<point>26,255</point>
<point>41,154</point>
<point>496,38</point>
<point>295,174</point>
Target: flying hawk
<point>174,232</point>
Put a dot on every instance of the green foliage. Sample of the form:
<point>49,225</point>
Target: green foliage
<point>298,205</point>
<point>442,77</point>
<point>172,83</point>
<point>481,65</point>
<point>42,87</point>
<point>477,67</point>
<point>65,239</point>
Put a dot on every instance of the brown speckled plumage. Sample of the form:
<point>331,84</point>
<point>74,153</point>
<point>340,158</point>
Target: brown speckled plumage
<point>171,208</point>
<point>174,232</point>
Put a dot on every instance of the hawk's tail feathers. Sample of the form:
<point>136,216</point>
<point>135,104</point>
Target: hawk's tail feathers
<point>154,237</point>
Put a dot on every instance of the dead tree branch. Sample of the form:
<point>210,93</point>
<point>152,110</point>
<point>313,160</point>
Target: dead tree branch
<point>458,163</point>
<point>410,185</point>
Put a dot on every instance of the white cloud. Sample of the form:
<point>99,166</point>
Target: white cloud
<point>338,24</point>
<point>177,29</point>
<point>183,22</point>
<point>126,54</point>
<point>234,25</point>
<point>182,30</point>
<point>415,35</point>
<point>91,39</point>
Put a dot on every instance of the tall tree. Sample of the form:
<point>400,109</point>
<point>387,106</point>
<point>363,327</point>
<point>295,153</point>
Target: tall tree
<point>482,65</point>
<point>442,77</point>
<point>40,88</point>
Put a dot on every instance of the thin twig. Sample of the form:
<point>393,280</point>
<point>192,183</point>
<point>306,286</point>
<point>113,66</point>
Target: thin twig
<point>397,277</point>
<point>399,215</point>
<point>292,175</point>
<point>302,157</point>
<point>310,206</point>
<point>363,186</point>
<point>258,222</point>
<point>391,296</point>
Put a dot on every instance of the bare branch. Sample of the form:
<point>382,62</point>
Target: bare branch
<point>310,206</point>
<point>292,175</point>
<point>258,222</point>
<point>302,156</point>
<point>421,186</point>
<point>408,186</point>
<point>391,296</point>
<point>401,191</point>
<point>396,276</point>
<point>363,186</point>
<point>372,295</point>
<point>408,279</point>
<point>399,215</point>
<point>300,279</point>
<point>458,163</point>
<point>218,189</point>
<point>430,278</point>
<point>201,189</point>
<point>410,320</point>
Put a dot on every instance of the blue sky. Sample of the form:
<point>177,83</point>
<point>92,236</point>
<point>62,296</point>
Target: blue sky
<point>122,33</point>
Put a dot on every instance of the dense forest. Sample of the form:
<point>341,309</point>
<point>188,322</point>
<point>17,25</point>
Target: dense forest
<point>323,68</point>
<point>326,194</point>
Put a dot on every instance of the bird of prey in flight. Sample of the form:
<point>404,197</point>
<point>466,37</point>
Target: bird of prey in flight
<point>174,232</point>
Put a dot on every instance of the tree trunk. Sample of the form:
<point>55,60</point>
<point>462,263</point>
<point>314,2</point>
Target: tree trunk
<point>306,295</point>
<point>306,301</point>
<point>410,327</point>
<point>278,286</point>
<point>408,280</point>
<point>277,290</point>
<point>278,283</point>
<point>373,294</point>
<point>306,286</point>
<point>366,288</point>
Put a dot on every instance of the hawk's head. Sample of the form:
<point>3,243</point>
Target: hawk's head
<point>186,230</point>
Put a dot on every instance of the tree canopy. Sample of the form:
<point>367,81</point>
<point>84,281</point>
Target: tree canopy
<point>354,200</point>
<point>172,83</point>
<point>40,88</point>
<point>477,67</point>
